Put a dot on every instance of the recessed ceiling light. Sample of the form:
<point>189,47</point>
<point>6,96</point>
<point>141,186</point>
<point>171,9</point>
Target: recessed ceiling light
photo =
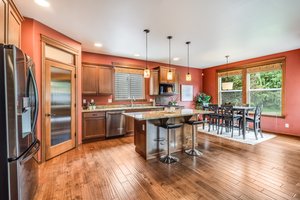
<point>43,3</point>
<point>98,45</point>
<point>176,59</point>
<point>136,55</point>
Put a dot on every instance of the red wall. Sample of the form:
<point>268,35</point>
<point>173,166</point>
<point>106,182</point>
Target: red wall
<point>31,45</point>
<point>292,91</point>
<point>106,59</point>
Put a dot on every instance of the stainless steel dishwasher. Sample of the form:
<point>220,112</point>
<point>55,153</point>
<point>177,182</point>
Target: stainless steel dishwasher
<point>115,123</point>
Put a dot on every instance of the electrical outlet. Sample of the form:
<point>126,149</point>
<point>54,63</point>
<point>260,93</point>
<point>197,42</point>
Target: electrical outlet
<point>109,100</point>
<point>286,125</point>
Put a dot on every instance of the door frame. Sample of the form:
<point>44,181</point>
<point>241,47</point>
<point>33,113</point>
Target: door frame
<point>52,151</point>
<point>64,47</point>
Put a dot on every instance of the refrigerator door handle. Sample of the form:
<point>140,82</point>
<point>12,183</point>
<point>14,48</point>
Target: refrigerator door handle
<point>36,96</point>
<point>24,153</point>
<point>28,156</point>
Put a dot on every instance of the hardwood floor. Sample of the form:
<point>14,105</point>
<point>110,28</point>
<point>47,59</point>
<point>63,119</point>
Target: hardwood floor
<point>111,169</point>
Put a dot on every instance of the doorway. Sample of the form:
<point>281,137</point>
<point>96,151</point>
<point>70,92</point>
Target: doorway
<point>59,108</point>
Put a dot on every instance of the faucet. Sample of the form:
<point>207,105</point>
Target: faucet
<point>132,100</point>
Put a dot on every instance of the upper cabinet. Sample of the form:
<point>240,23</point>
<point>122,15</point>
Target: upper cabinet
<point>154,83</point>
<point>105,80</point>
<point>10,22</point>
<point>163,71</point>
<point>96,80</point>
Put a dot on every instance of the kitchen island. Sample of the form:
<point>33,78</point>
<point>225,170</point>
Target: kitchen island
<point>150,137</point>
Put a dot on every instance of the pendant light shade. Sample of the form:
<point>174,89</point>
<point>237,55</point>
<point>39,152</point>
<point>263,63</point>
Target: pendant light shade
<point>169,74</point>
<point>188,76</point>
<point>227,85</point>
<point>147,70</point>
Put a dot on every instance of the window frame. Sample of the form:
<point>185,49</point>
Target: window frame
<point>128,68</point>
<point>245,83</point>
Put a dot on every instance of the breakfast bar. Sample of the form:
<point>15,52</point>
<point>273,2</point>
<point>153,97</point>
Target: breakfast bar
<point>150,138</point>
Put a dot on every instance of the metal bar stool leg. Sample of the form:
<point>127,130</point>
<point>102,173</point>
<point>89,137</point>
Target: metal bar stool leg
<point>193,151</point>
<point>168,158</point>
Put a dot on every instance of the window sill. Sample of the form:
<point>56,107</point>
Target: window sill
<point>270,115</point>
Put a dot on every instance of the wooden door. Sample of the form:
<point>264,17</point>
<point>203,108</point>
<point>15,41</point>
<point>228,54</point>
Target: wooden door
<point>89,79</point>
<point>59,108</point>
<point>105,80</point>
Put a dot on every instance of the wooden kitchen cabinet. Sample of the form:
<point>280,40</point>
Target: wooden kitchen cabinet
<point>10,23</point>
<point>97,80</point>
<point>154,82</point>
<point>105,80</point>
<point>93,126</point>
<point>163,71</point>
<point>89,79</point>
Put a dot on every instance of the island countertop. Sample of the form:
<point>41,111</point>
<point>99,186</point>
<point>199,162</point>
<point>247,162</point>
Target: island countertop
<point>150,115</point>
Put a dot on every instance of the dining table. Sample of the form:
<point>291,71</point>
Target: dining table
<point>243,111</point>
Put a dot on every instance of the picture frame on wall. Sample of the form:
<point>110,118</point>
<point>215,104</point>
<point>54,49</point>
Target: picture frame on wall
<point>187,92</point>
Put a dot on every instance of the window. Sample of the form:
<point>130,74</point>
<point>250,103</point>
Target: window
<point>263,86</point>
<point>233,95</point>
<point>128,84</point>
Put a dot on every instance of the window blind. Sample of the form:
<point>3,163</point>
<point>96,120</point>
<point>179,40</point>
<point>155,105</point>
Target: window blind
<point>128,85</point>
<point>230,73</point>
<point>265,68</point>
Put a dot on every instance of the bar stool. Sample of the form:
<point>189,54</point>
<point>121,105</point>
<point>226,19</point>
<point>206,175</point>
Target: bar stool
<point>193,151</point>
<point>169,158</point>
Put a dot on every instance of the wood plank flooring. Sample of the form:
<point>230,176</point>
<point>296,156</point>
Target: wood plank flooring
<point>111,169</point>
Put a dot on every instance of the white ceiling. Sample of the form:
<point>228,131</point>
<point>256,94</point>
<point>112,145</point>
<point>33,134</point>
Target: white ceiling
<point>240,28</point>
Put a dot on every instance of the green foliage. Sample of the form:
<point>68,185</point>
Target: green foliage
<point>266,80</point>
<point>202,99</point>
<point>237,81</point>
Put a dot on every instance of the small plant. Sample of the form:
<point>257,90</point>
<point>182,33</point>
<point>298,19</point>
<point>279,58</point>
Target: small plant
<point>173,101</point>
<point>201,100</point>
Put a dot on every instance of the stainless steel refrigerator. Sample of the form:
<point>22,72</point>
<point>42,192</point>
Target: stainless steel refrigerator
<point>18,117</point>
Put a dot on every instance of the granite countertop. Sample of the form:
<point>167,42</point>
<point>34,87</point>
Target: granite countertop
<point>149,115</point>
<point>122,107</point>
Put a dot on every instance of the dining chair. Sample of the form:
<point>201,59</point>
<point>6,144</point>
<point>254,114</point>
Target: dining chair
<point>213,117</point>
<point>256,121</point>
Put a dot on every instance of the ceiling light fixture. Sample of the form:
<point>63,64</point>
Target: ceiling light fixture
<point>136,55</point>
<point>169,74</point>
<point>228,85</point>
<point>147,70</point>
<point>43,3</point>
<point>98,45</point>
<point>188,76</point>
<point>176,59</point>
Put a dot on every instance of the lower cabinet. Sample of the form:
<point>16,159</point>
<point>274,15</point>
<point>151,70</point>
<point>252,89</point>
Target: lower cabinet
<point>93,126</point>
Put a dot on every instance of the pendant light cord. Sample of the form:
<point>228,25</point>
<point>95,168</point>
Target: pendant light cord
<point>169,37</point>
<point>146,31</point>
<point>188,55</point>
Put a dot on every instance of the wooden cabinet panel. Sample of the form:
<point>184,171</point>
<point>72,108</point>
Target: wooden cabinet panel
<point>3,19</point>
<point>154,83</point>
<point>163,71</point>
<point>129,124</point>
<point>14,26</point>
<point>105,80</point>
<point>94,126</point>
<point>89,79</point>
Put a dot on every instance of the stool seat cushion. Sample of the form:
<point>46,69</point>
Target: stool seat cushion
<point>194,122</point>
<point>171,126</point>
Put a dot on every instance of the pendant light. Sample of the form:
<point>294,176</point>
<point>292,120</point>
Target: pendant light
<point>188,76</point>
<point>227,85</point>
<point>147,70</point>
<point>169,74</point>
